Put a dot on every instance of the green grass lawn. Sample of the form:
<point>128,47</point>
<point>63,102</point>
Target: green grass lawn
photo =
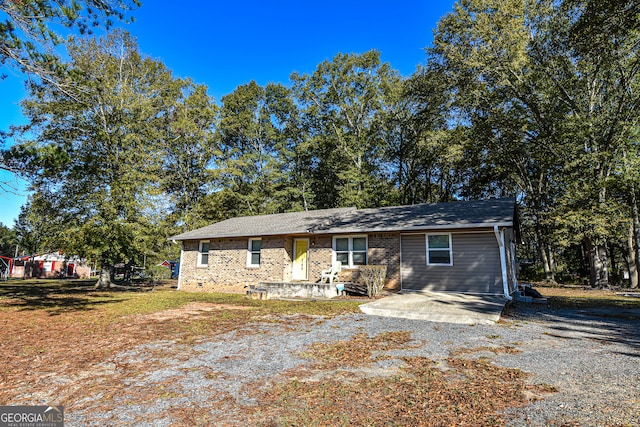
<point>583,297</point>
<point>59,296</point>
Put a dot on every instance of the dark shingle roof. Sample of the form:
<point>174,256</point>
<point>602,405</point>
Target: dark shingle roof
<point>461,214</point>
<point>268,225</point>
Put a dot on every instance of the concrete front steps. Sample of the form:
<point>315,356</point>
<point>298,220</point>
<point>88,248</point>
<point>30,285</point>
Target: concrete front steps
<point>302,290</point>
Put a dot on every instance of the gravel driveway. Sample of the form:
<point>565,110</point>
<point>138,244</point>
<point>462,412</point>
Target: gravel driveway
<point>590,358</point>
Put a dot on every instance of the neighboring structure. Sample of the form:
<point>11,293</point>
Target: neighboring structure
<point>6,263</point>
<point>173,266</point>
<point>466,246</point>
<point>50,265</point>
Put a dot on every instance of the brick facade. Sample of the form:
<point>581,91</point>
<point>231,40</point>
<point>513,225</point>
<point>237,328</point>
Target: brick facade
<point>384,249</point>
<point>227,269</point>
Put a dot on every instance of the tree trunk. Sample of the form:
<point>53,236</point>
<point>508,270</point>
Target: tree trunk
<point>598,265</point>
<point>632,259</point>
<point>104,281</point>
<point>613,264</point>
<point>636,236</point>
<point>547,263</point>
<point>552,264</point>
<point>127,272</point>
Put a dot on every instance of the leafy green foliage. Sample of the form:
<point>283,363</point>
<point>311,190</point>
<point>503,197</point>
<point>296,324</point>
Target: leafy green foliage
<point>186,145</point>
<point>537,99</point>
<point>29,29</point>
<point>343,102</point>
<point>421,156</point>
<point>253,149</point>
<point>8,240</point>
<point>549,115</point>
<point>98,148</point>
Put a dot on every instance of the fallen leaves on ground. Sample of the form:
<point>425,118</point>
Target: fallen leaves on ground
<point>62,354</point>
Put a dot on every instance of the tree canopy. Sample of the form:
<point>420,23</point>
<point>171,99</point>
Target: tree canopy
<point>8,240</point>
<point>537,100</point>
<point>30,32</point>
<point>30,29</point>
<point>100,154</point>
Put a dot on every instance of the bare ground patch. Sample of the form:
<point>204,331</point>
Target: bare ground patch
<point>190,310</point>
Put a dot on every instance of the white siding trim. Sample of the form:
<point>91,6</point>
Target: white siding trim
<point>200,253</point>
<point>514,273</point>
<point>250,252</point>
<point>450,249</point>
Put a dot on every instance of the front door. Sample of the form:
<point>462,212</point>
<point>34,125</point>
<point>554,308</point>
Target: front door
<point>301,259</point>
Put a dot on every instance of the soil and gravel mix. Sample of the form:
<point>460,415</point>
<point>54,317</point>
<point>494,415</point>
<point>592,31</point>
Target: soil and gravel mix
<point>538,366</point>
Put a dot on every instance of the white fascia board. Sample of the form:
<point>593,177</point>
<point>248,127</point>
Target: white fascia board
<point>351,231</point>
<point>243,235</point>
<point>489,226</point>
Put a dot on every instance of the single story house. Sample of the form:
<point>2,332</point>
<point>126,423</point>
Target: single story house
<point>50,265</point>
<point>463,246</point>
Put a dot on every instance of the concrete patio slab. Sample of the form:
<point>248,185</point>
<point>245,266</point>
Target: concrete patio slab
<point>439,307</point>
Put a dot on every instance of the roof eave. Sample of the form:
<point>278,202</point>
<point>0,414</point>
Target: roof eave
<point>230,236</point>
<point>418,228</point>
<point>488,225</point>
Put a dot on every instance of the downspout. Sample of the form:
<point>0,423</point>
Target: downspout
<point>503,261</point>
<point>180,266</point>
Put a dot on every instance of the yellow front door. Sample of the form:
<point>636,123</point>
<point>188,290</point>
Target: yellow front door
<point>301,259</point>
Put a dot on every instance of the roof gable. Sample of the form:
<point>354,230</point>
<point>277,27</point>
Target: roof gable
<point>460,214</point>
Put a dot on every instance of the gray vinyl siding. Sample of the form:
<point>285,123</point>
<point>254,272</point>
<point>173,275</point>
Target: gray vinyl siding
<point>475,269</point>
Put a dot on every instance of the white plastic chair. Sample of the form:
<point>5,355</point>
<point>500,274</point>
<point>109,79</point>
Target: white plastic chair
<point>331,273</point>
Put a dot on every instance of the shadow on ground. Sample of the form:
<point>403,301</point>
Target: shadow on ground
<point>607,325</point>
<point>57,297</point>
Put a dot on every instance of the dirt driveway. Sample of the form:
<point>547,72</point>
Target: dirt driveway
<point>585,369</point>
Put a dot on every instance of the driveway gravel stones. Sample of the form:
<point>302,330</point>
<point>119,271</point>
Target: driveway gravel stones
<point>591,358</point>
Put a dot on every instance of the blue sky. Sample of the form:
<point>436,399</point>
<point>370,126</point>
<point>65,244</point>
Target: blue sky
<point>224,44</point>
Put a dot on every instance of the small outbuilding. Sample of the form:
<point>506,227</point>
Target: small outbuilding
<point>50,265</point>
<point>462,247</point>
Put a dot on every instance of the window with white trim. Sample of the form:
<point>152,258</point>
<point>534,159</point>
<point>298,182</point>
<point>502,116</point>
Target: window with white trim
<point>203,253</point>
<point>253,254</point>
<point>439,250</point>
<point>351,251</point>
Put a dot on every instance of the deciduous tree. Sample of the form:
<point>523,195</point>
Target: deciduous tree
<point>254,167</point>
<point>187,144</point>
<point>342,102</point>
<point>8,240</point>
<point>30,29</point>
<point>97,148</point>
